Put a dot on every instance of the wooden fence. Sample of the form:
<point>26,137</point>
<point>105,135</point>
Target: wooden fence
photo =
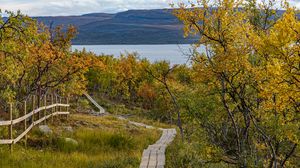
<point>50,105</point>
<point>101,109</point>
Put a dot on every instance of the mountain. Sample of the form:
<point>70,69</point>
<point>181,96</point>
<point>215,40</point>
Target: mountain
<point>157,26</point>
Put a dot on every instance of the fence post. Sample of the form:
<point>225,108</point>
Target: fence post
<point>33,108</point>
<point>59,103</point>
<point>25,122</point>
<point>67,107</point>
<point>56,101</point>
<point>11,126</point>
<point>39,102</point>
<point>53,108</point>
<point>45,110</point>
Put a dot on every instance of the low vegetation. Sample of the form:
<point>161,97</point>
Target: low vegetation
<point>101,142</point>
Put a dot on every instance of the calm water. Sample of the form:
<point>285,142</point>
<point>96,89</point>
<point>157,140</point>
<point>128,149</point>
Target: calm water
<point>176,54</point>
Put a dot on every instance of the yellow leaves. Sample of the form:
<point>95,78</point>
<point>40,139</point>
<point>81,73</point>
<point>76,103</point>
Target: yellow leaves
<point>292,136</point>
<point>31,58</point>
<point>274,68</point>
<point>252,63</point>
<point>285,30</point>
<point>260,146</point>
<point>8,95</point>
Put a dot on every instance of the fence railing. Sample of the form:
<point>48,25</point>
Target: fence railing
<point>48,108</point>
<point>101,109</point>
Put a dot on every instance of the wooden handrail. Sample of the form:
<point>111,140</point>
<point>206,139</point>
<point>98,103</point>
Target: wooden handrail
<point>14,141</point>
<point>28,115</point>
<point>20,119</point>
<point>101,109</point>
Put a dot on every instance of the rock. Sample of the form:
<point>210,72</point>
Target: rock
<point>45,129</point>
<point>126,116</point>
<point>68,129</point>
<point>98,114</point>
<point>71,141</point>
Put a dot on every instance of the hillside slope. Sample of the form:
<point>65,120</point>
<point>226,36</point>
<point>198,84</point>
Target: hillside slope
<point>129,27</point>
<point>81,141</point>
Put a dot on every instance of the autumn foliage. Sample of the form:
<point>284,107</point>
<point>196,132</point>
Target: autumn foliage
<point>237,103</point>
<point>251,65</point>
<point>35,60</point>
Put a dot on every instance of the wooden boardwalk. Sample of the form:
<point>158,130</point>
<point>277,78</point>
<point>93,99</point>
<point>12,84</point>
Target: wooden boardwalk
<point>154,155</point>
<point>101,109</point>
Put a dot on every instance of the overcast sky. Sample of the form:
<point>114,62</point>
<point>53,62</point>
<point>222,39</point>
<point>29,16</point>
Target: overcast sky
<point>77,7</point>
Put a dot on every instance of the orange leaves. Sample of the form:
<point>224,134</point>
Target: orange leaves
<point>147,92</point>
<point>39,58</point>
<point>62,39</point>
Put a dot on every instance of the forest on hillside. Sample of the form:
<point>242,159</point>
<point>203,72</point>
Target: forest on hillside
<point>236,105</point>
<point>156,26</point>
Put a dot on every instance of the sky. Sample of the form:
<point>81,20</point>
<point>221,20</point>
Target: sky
<point>78,7</point>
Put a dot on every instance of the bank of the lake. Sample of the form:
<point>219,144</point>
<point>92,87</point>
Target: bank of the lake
<point>176,54</point>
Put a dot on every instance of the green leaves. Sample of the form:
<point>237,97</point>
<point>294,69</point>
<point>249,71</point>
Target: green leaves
<point>249,67</point>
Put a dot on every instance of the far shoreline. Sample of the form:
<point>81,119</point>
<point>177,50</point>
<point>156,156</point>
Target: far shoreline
<point>132,44</point>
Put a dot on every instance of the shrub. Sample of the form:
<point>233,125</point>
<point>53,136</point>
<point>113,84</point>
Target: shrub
<point>65,146</point>
<point>120,141</point>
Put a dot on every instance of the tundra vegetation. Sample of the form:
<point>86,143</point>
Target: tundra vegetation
<point>236,105</point>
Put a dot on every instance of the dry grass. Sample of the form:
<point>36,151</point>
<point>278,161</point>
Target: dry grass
<point>103,142</point>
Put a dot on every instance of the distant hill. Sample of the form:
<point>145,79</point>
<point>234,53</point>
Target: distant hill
<point>156,26</point>
<point>131,27</point>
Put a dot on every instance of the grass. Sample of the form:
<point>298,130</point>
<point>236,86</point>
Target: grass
<point>103,142</point>
<point>134,113</point>
<point>147,121</point>
<point>194,154</point>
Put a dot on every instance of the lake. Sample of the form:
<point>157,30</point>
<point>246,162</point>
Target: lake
<point>175,54</point>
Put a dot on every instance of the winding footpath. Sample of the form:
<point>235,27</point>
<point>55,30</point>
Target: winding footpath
<point>154,155</point>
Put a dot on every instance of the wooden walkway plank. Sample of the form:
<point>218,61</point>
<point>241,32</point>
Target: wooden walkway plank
<point>161,158</point>
<point>154,155</point>
<point>157,158</point>
<point>153,158</point>
<point>145,159</point>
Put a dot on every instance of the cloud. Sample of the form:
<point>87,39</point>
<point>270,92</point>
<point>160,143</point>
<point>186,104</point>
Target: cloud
<point>295,3</point>
<point>78,7</point>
